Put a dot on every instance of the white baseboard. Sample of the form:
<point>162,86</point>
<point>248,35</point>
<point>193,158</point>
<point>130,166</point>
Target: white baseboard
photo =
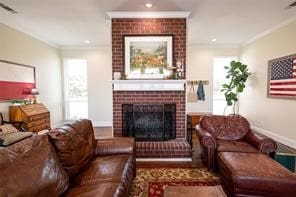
<point>163,159</point>
<point>102,123</point>
<point>58,124</point>
<point>95,123</point>
<point>284,140</point>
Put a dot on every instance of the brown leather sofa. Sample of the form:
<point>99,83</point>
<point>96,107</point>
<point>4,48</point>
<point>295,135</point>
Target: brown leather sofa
<point>68,161</point>
<point>229,134</point>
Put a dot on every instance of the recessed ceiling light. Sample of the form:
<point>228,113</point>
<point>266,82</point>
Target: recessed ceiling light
<point>87,41</point>
<point>214,40</point>
<point>148,5</point>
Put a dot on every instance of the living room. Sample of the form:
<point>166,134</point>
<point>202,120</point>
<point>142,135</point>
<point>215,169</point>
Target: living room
<point>148,76</point>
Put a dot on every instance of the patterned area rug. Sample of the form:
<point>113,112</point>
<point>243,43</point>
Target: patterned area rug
<point>151,182</point>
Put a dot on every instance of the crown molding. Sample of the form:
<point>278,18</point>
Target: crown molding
<point>205,45</point>
<point>18,27</point>
<point>261,35</point>
<point>94,47</point>
<point>148,14</point>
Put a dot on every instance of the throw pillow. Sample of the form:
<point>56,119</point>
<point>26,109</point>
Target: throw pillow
<point>74,144</point>
<point>10,138</point>
<point>8,128</point>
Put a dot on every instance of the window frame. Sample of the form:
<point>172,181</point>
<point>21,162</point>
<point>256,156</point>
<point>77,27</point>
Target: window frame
<point>66,99</point>
<point>233,57</point>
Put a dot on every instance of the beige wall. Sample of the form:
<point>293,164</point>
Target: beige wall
<point>200,67</point>
<point>18,47</point>
<point>274,117</point>
<point>99,79</point>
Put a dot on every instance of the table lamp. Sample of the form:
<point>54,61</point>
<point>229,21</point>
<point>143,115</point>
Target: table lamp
<point>34,92</point>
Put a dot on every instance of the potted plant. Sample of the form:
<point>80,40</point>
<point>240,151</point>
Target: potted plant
<point>238,74</point>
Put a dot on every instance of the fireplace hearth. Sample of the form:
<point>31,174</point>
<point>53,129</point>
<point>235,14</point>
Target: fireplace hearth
<point>149,122</point>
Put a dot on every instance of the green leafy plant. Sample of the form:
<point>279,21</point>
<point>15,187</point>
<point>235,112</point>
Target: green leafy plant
<point>238,74</point>
<point>17,101</point>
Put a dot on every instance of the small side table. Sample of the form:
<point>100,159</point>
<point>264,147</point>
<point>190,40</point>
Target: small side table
<point>193,119</point>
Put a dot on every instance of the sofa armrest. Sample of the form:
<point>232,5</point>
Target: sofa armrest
<point>115,145</point>
<point>262,143</point>
<point>205,138</point>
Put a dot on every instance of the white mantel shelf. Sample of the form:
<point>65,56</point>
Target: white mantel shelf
<point>148,85</point>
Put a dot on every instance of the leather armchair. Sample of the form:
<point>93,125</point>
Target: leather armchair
<point>229,134</point>
<point>208,146</point>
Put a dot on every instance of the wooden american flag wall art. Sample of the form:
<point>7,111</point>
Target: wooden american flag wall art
<point>282,77</point>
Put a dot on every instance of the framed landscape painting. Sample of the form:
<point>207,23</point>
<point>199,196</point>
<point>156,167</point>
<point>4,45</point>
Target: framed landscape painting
<point>282,77</point>
<point>148,57</point>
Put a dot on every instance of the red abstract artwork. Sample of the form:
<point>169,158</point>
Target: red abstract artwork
<point>16,80</point>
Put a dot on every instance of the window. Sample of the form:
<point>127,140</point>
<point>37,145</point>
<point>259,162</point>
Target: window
<point>75,89</point>
<point>219,102</point>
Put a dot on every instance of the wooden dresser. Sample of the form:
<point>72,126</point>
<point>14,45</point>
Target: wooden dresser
<point>35,116</point>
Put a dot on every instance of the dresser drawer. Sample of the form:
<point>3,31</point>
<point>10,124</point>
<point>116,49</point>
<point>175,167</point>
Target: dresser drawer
<point>37,122</point>
<point>39,116</point>
<point>39,127</point>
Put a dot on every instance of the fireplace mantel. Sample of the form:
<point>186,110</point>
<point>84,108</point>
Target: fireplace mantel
<point>148,85</point>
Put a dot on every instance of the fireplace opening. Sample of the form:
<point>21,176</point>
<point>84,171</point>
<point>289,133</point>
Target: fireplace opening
<point>149,122</point>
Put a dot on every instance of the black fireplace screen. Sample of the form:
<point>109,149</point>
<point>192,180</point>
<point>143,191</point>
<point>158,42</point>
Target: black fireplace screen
<point>149,122</point>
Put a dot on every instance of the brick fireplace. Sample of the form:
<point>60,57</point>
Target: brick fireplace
<point>126,26</point>
<point>148,97</point>
<point>147,122</point>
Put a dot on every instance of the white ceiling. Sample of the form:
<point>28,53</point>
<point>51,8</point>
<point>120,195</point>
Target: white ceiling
<point>71,22</point>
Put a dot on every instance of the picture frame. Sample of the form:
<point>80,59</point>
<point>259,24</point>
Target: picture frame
<point>16,80</point>
<point>281,77</point>
<point>148,56</point>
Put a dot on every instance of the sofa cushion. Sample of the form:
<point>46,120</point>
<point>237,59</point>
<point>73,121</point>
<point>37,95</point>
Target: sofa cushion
<point>74,144</point>
<point>232,127</point>
<point>31,168</point>
<point>85,129</point>
<point>97,189</point>
<point>113,168</point>
<point>235,146</point>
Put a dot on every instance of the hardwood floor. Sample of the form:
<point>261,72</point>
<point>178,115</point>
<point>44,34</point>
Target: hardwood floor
<point>195,163</point>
